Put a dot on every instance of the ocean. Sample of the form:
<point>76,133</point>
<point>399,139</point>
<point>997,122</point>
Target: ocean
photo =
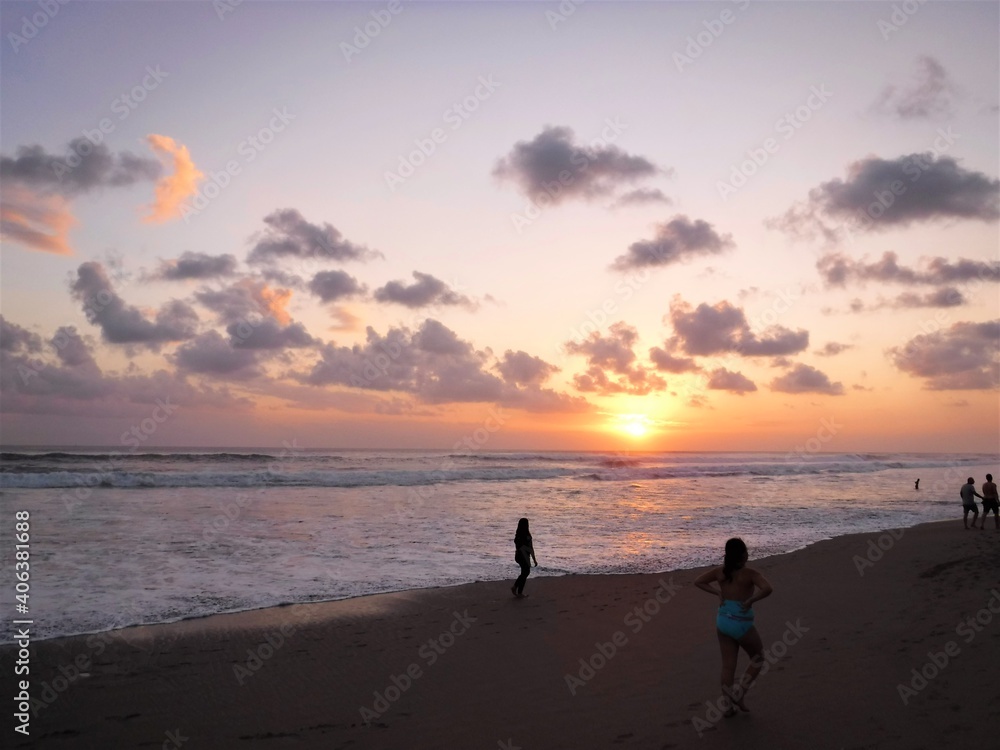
<point>120,539</point>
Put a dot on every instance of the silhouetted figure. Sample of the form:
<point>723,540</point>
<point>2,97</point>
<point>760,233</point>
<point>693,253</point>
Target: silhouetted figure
<point>991,501</point>
<point>524,553</point>
<point>916,485</point>
<point>969,495</point>
<point>734,622</point>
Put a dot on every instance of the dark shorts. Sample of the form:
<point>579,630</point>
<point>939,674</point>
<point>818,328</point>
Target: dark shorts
<point>991,504</point>
<point>973,507</point>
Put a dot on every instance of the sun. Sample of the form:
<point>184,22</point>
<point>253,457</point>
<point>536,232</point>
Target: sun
<point>634,425</point>
<point>635,429</point>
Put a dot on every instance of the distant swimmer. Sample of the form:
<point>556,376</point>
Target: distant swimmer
<point>736,591</point>
<point>969,495</point>
<point>916,485</point>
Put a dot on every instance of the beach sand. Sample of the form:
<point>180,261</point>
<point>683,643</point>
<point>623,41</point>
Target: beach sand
<point>471,667</point>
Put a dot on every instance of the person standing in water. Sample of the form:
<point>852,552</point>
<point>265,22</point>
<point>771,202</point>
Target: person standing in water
<point>916,485</point>
<point>738,588</point>
<point>524,553</point>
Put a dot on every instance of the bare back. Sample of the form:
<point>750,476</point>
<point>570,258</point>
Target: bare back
<point>742,585</point>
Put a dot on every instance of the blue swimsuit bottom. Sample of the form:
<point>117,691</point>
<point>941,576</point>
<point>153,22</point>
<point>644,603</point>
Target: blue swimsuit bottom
<point>733,620</point>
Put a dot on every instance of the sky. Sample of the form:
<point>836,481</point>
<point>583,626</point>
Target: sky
<point>501,226</point>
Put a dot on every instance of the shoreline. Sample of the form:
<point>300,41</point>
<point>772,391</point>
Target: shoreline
<point>584,661</point>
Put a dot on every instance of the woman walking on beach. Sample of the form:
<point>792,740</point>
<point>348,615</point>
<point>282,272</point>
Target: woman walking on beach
<point>735,619</point>
<point>523,555</point>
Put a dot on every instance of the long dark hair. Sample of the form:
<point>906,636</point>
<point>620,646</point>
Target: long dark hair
<point>522,534</point>
<point>736,551</point>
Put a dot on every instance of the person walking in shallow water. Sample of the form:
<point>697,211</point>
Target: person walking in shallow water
<point>737,585</point>
<point>524,553</point>
<point>969,495</point>
<point>991,501</point>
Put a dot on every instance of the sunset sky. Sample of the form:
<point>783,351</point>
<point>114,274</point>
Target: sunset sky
<point>617,226</point>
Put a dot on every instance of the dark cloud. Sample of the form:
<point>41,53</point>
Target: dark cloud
<point>805,379</point>
<point>930,94</point>
<point>613,354</point>
<point>963,357</point>
<point>267,333</point>
<point>881,194</point>
<point>427,290</point>
<point>14,338</point>
<point>194,266</point>
<point>554,166</point>
<point>722,328</point>
<point>641,197</point>
<point>124,324</point>
<point>436,366</point>
<point>521,368</point>
<point>71,349</point>
<point>667,362</point>
<point>84,168</point>
<point>330,286</point>
<point>722,379</point>
<point>244,300</point>
<point>289,235</point>
<point>838,270</point>
<point>833,348</point>
<point>677,240</point>
<point>210,354</point>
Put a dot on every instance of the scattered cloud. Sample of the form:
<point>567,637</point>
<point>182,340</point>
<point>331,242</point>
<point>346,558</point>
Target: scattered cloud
<point>289,235</point>
<point>833,348</point>
<point>124,324</point>
<point>880,194</point>
<point>806,379</point>
<point>210,354</point>
<point>613,354</point>
<point>34,220</point>
<point>553,165</point>
<point>838,270</point>
<point>677,240</point>
<point>425,291</point>
<point>930,94</point>
<point>722,379</point>
<point>330,286</point>
<point>86,167</point>
<point>14,338</point>
<point>723,328</point>
<point>667,362</point>
<point>172,189</point>
<point>963,357</point>
<point>194,266</point>
<point>642,197</point>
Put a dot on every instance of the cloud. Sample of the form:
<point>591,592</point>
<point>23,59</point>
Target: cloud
<point>246,300</point>
<point>641,197</point>
<point>930,94</point>
<point>14,338</point>
<point>554,166</point>
<point>426,291</point>
<point>837,270</point>
<point>267,333</point>
<point>124,324</point>
<point>289,235</point>
<point>833,348</point>
<point>36,221</point>
<point>722,328</point>
<point>613,354</point>
<point>880,194</point>
<point>805,379</point>
<point>210,354</point>
<point>521,368</point>
<point>667,362</point>
<point>86,167</point>
<point>334,285</point>
<point>722,379</point>
<point>963,357</point>
<point>677,240</point>
<point>194,266</point>
<point>173,189</point>
<point>436,366</point>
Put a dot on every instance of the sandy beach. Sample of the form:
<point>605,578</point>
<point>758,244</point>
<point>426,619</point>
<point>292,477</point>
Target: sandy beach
<point>886,640</point>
